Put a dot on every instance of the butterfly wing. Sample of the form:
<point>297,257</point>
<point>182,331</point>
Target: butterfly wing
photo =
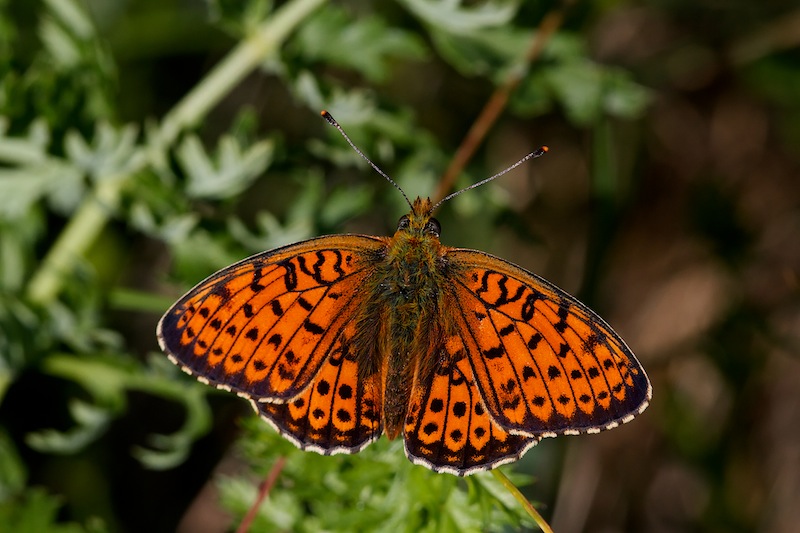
<point>264,327</point>
<point>544,363</point>
<point>337,412</point>
<point>447,427</point>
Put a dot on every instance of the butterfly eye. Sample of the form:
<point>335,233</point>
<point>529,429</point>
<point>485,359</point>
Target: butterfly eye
<point>404,222</point>
<point>433,227</point>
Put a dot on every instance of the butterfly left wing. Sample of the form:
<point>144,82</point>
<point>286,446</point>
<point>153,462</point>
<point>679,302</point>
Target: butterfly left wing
<point>544,363</point>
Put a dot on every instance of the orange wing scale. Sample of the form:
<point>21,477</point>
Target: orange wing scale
<point>544,363</point>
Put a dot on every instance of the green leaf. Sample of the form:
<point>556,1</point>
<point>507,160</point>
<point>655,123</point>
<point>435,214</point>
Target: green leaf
<point>20,189</point>
<point>13,474</point>
<point>299,224</point>
<point>477,40</point>
<point>588,91</point>
<point>108,380</point>
<point>343,204</point>
<point>17,345</point>
<point>231,170</point>
<point>91,422</point>
<point>35,511</point>
<point>31,174</point>
<point>174,229</point>
<point>490,52</point>
<point>624,98</point>
<point>168,451</point>
<point>378,489</point>
<point>202,253</point>
<point>110,154</point>
<point>63,48</point>
<point>71,16</point>
<point>28,150</point>
<point>365,43</point>
<point>454,17</point>
<point>239,17</point>
<point>579,86</point>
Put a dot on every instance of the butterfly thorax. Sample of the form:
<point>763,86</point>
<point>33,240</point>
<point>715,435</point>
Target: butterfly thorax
<point>408,298</point>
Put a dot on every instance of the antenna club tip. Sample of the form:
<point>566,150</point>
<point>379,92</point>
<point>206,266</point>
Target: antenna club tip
<point>327,116</point>
<point>544,148</point>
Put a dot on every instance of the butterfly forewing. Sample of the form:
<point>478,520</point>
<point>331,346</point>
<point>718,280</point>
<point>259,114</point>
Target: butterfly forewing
<point>544,363</point>
<point>265,326</point>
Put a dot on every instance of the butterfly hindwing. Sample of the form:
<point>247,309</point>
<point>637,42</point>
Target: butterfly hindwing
<point>338,412</point>
<point>544,363</point>
<point>265,326</point>
<point>447,426</point>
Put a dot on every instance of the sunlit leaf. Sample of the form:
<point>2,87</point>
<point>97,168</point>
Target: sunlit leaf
<point>229,172</point>
<point>90,422</point>
<point>456,17</point>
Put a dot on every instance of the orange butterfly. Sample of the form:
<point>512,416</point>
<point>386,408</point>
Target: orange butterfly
<point>339,339</point>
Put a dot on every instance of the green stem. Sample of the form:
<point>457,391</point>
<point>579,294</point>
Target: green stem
<point>528,506</point>
<point>75,239</point>
<point>96,209</point>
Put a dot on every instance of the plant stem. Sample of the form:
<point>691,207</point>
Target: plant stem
<point>76,238</point>
<point>528,506</point>
<point>263,491</point>
<point>96,209</point>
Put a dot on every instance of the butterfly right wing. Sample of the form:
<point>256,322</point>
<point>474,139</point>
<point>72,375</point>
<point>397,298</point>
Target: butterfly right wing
<point>265,326</point>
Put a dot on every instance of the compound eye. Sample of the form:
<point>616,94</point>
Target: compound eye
<point>404,222</point>
<point>433,227</point>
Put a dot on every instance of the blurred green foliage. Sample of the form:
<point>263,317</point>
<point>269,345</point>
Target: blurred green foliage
<point>130,170</point>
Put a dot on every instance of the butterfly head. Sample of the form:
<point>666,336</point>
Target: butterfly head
<point>419,223</point>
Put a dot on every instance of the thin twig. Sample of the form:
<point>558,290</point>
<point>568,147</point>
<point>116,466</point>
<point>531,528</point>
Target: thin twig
<point>528,506</point>
<point>263,492</point>
<point>497,102</point>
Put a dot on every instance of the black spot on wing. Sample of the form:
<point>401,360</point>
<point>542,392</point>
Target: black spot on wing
<point>507,330</point>
<point>311,327</point>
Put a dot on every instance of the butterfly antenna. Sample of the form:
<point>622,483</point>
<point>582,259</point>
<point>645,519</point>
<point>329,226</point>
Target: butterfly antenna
<point>332,121</point>
<point>536,153</point>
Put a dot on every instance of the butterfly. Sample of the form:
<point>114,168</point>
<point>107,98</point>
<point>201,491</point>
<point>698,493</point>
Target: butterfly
<point>339,339</point>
